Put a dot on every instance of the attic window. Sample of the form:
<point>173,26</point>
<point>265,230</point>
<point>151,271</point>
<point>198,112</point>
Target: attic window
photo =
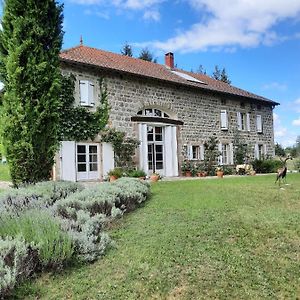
<point>187,77</point>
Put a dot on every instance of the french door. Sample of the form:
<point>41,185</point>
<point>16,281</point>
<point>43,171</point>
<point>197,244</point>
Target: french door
<point>87,161</point>
<point>155,140</point>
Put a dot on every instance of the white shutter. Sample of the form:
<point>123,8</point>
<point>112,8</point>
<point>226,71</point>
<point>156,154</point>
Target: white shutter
<point>91,94</point>
<point>224,120</point>
<point>108,158</point>
<point>265,150</point>
<point>68,161</point>
<point>84,92</point>
<point>259,123</point>
<point>143,148</point>
<point>239,120</point>
<point>248,121</point>
<point>190,152</point>
<point>201,152</point>
<point>168,151</point>
<point>174,149</point>
<point>220,154</point>
<point>256,153</point>
<point>231,154</point>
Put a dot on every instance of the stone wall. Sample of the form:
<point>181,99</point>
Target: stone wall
<point>200,111</point>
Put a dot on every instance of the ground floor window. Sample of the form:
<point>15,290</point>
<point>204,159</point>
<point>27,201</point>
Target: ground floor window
<point>225,154</point>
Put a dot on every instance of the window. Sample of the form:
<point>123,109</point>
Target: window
<point>86,89</point>
<point>260,151</point>
<point>243,120</point>
<point>224,120</point>
<point>153,112</point>
<point>196,152</point>
<point>259,126</point>
<point>226,154</point>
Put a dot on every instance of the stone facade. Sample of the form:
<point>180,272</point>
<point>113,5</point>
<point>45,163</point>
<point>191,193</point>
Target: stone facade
<point>200,111</point>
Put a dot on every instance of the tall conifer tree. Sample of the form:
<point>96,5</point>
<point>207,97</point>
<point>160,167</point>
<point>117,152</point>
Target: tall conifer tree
<point>30,43</point>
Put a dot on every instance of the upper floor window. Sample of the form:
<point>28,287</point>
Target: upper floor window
<point>86,90</point>
<point>243,120</point>
<point>224,120</point>
<point>153,112</point>
<point>259,125</point>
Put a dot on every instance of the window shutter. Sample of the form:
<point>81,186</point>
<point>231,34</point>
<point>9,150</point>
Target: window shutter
<point>84,92</point>
<point>259,123</point>
<point>201,152</point>
<point>91,94</point>
<point>248,121</point>
<point>190,152</point>
<point>239,120</point>
<point>231,153</point>
<point>220,154</point>
<point>256,154</point>
<point>224,120</point>
<point>265,150</point>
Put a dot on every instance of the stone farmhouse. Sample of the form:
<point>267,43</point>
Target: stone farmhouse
<point>172,112</point>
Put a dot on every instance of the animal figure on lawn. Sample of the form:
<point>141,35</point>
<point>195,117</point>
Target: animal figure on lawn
<point>281,173</point>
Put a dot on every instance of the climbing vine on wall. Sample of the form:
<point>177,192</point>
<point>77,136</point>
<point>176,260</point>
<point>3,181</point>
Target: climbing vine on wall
<point>124,147</point>
<point>77,123</point>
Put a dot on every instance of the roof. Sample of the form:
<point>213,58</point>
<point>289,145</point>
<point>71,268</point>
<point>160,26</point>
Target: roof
<point>107,60</point>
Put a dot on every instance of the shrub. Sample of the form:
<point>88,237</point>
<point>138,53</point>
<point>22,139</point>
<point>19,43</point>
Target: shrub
<point>43,194</point>
<point>117,172</point>
<point>42,229</point>
<point>136,173</point>
<point>266,165</point>
<point>18,260</point>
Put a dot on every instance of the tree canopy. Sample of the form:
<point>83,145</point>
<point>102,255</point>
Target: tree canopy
<point>221,75</point>
<point>127,50</point>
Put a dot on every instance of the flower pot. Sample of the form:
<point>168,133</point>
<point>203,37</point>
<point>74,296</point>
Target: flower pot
<point>188,173</point>
<point>154,178</point>
<point>220,174</point>
<point>112,178</point>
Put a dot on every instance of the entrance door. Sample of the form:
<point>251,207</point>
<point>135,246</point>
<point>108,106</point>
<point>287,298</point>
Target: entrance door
<point>87,161</point>
<point>155,139</point>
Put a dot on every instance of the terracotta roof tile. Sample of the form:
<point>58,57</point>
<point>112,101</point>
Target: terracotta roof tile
<point>108,60</point>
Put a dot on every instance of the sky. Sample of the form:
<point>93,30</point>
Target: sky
<point>257,42</point>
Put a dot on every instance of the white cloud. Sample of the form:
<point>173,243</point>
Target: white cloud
<point>152,15</point>
<point>232,23</point>
<point>296,122</point>
<point>275,86</point>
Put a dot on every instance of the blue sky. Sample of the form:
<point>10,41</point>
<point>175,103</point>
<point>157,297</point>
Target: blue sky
<point>258,42</point>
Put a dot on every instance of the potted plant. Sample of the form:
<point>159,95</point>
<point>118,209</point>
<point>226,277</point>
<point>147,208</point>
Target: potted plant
<point>115,173</point>
<point>186,168</point>
<point>138,173</point>
<point>220,171</point>
<point>154,177</point>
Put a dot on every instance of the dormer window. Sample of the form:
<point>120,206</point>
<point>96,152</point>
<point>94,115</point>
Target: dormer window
<point>153,112</point>
<point>86,89</point>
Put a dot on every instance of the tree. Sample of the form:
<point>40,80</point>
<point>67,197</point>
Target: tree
<point>127,50</point>
<point>201,70</point>
<point>30,43</point>
<point>221,75</point>
<point>145,54</point>
<point>279,150</point>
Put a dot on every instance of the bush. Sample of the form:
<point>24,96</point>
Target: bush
<point>18,260</point>
<point>266,165</point>
<point>136,173</point>
<point>43,194</point>
<point>39,227</point>
<point>84,214</point>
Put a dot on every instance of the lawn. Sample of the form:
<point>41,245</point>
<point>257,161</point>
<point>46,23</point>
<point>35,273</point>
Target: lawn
<point>4,172</point>
<point>231,238</point>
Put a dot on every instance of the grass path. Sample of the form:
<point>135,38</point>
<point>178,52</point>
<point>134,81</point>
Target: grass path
<point>236,238</point>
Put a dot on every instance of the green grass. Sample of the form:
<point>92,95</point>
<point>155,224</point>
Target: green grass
<point>232,238</point>
<point>4,172</point>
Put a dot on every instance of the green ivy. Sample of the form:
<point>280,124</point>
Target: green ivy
<point>76,123</point>
<point>124,147</point>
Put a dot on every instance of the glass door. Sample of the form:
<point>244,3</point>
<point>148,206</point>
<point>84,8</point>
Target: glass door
<point>155,149</point>
<point>87,162</point>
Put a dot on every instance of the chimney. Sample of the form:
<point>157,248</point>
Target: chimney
<point>169,60</point>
